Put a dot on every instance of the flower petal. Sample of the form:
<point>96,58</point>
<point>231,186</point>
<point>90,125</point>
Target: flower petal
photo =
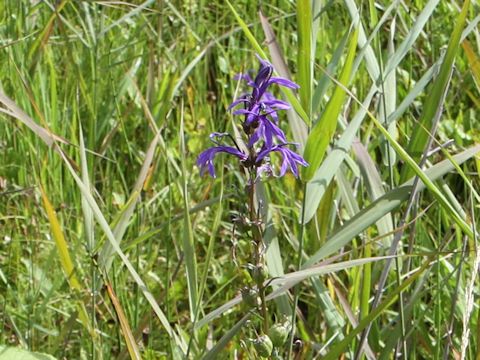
<point>240,100</point>
<point>283,82</point>
<point>205,159</point>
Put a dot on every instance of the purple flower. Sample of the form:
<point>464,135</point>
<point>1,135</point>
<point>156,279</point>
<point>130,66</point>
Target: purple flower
<point>264,79</point>
<point>260,100</point>
<point>263,136</point>
<point>263,129</point>
<point>205,159</point>
<point>290,158</point>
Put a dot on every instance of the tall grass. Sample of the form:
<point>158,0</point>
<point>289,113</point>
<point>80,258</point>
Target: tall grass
<point>113,246</point>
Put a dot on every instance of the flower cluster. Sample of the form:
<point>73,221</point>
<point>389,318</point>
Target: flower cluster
<point>260,125</point>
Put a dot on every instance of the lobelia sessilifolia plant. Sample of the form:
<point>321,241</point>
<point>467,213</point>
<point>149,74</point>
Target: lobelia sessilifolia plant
<point>263,137</point>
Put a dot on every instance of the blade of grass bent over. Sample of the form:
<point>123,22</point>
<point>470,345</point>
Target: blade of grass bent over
<point>111,238</point>
<point>13,110</point>
<point>106,255</point>
<point>289,280</point>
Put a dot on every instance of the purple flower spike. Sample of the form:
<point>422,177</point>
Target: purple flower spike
<point>260,85</point>
<point>205,159</point>
<point>266,130</point>
<point>260,125</point>
<point>290,158</point>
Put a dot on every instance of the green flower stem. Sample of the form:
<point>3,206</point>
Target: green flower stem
<point>258,240</point>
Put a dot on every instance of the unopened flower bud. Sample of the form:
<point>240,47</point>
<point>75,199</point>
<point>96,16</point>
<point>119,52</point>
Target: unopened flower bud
<point>250,296</point>
<point>260,273</point>
<point>279,333</point>
<point>263,345</point>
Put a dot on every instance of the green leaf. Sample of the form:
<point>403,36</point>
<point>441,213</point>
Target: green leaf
<point>325,173</point>
<point>389,300</point>
<point>383,205</point>
<point>188,241</point>
<point>215,351</point>
<point>366,51</point>
<point>360,222</point>
<point>324,129</point>
<point>434,102</point>
<point>304,55</point>
<point>9,353</point>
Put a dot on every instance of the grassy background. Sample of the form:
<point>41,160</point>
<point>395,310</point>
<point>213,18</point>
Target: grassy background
<point>132,91</point>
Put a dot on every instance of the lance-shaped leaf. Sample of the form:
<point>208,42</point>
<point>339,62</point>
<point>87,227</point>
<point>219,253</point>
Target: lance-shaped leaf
<point>434,102</point>
<point>382,206</point>
<point>324,129</point>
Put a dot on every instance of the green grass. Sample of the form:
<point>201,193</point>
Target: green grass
<point>113,246</point>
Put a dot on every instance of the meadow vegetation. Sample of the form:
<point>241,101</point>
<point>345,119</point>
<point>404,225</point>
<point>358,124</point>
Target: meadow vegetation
<point>112,244</point>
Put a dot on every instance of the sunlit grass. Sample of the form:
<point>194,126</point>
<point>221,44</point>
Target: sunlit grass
<point>105,108</point>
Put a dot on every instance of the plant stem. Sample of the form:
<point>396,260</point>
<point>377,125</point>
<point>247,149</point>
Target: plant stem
<point>258,240</point>
<point>299,266</point>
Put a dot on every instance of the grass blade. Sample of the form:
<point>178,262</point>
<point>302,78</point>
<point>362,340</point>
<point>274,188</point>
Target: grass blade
<point>123,219</point>
<point>413,34</point>
<point>13,110</point>
<point>304,54</point>
<point>433,104</point>
<point>65,258</point>
<point>215,351</point>
<point>323,131</point>
<point>389,300</point>
<point>188,240</point>
<point>363,43</point>
<point>384,205</point>
<point>325,173</point>
<point>126,331</point>
<point>374,188</point>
